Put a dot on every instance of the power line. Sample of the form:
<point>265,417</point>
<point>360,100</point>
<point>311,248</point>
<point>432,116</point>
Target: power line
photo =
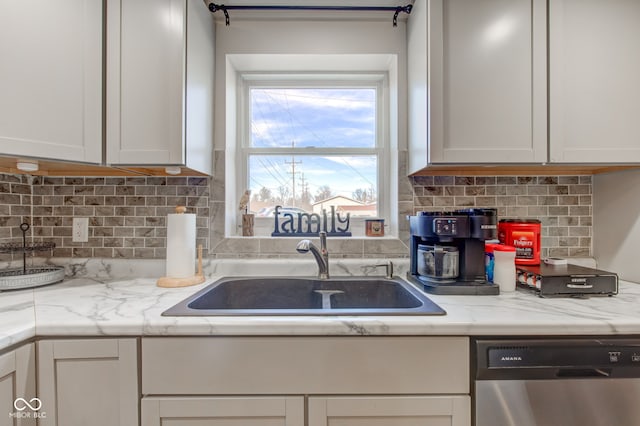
<point>281,107</point>
<point>268,170</point>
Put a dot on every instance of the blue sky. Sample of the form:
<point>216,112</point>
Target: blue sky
<point>314,117</point>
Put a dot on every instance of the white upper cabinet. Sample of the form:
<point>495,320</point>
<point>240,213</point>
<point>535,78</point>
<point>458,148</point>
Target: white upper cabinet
<point>51,79</point>
<point>594,68</point>
<point>160,75</point>
<point>477,82</point>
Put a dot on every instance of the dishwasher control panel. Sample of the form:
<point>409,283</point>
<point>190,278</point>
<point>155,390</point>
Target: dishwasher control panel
<point>552,358</point>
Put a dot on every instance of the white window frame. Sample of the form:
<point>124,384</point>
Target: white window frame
<point>378,80</point>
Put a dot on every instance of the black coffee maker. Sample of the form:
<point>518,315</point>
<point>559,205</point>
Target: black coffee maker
<point>447,250</point>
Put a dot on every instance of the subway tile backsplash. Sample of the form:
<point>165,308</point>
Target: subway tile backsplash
<point>127,215</point>
<point>15,205</point>
<point>562,203</point>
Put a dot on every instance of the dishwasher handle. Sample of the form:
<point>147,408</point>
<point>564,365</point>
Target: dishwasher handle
<point>576,373</point>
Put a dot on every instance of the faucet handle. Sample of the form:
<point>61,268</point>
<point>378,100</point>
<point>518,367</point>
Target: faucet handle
<point>388,269</point>
<point>323,241</point>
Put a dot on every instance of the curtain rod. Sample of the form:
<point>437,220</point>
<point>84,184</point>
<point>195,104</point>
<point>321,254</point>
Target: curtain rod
<point>396,9</point>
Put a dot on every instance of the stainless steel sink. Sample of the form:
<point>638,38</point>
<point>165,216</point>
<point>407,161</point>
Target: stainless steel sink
<point>306,296</point>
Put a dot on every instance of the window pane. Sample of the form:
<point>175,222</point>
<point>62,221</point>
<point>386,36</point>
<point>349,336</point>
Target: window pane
<point>313,117</point>
<point>313,183</point>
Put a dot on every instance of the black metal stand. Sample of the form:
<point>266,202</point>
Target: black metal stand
<point>27,277</point>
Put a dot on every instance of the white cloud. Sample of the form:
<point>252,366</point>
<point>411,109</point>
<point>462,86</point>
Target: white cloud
<point>314,98</point>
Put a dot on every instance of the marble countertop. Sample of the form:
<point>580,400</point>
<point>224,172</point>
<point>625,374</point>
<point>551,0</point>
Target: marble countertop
<point>17,317</point>
<point>107,305</point>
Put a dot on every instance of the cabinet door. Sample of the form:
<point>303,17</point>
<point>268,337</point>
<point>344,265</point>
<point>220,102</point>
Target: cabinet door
<point>390,411</point>
<point>88,382</point>
<point>145,75</point>
<point>160,72</point>
<point>18,388</point>
<point>210,411</point>
<point>51,79</point>
<point>478,72</point>
<point>594,64</point>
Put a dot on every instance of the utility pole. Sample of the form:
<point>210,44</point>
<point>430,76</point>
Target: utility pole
<point>293,163</point>
<point>304,187</point>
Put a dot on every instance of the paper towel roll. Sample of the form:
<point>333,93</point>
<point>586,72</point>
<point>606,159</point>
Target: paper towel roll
<point>181,245</point>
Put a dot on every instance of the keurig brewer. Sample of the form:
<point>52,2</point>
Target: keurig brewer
<point>447,250</point>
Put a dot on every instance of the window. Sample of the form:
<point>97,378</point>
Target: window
<point>312,143</point>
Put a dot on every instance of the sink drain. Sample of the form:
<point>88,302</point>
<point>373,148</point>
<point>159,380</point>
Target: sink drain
<point>326,297</point>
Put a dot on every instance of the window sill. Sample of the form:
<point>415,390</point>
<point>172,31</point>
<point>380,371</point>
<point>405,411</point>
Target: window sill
<point>285,247</point>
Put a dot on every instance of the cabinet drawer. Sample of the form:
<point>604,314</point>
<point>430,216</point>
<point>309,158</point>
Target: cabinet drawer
<point>305,365</point>
<point>454,410</point>
<point>239,410</point>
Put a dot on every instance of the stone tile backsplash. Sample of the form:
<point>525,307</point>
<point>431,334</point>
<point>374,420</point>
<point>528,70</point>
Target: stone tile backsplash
<point>15,205</point>
<point>127,215</point>
<point>562,203</point>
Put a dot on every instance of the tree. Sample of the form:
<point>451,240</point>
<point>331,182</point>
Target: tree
<point>304,200</point>
<point>365,196</point>
<point>264,194</point>
<point>323,193</point>
<point>284,195</point>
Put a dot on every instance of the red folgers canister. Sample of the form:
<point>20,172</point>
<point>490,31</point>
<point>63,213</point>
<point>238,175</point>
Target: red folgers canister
<point>524,235</point>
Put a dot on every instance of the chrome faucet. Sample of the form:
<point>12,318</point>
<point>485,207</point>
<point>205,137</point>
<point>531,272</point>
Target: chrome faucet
<point>388,267</point>
<point>322,255</point>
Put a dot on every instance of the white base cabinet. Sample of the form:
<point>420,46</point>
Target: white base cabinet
<point>51,79</point>
<point>390,411</point>
<point>219,411</point>
<point>342,381</point>
<point>18,388</point>
<point>88,382</point>
<point>248,381</point>
<point>322,411</point>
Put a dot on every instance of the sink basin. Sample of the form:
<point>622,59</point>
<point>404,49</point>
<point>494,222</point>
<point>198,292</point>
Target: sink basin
<point>306,296</point>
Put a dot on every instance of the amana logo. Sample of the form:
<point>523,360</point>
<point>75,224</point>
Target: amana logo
<point>511,358</point>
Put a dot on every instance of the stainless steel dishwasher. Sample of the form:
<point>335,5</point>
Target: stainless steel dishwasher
<point>557,382</point>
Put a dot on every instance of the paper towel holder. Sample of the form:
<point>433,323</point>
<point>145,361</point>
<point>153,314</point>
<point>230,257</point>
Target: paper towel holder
<point>198,278</point>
